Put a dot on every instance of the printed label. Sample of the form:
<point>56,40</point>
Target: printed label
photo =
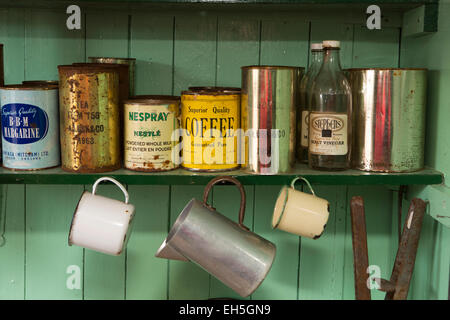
<point>328,133</point>
<point>23,123</point>
<point>148,143</point>
<point>209,138</point>
<point>304,141</point>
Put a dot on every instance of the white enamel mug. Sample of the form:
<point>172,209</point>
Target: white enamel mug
<point>300,213</point>
<point>102,224</point>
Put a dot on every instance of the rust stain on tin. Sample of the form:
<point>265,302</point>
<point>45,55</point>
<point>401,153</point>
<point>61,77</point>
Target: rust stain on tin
<point>89,118</point>
<point>149,124</point>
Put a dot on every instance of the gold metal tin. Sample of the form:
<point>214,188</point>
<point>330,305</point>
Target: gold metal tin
<point>202,112</point>
<point>89,118</point>
<point>131,62</point>
<point>149,125</point>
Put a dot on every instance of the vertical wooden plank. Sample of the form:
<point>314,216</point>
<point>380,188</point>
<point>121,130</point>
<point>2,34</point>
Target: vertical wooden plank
<point>379,211</point>
<point>238,45</point>
<point>186,280</point>
<point>152,45</point>
<point>104,274</point>
<point>281,282</point>
<point>12,251</point>
<point>49,211</point>
<point>342,32</point>
<point>376,48</point>
<point>106,34</point>
<point>12,211</point>
<point>284,41</point>
<point>48,43</point>
<point>195,51</point>
<point>194,65</point>
<point>322,260</point>
<point>227,202</point>
<point>147,275</point>
<point>12,35</point>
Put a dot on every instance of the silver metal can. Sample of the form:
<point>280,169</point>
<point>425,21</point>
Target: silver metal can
<point>268,117</point>
<point>388,119</point>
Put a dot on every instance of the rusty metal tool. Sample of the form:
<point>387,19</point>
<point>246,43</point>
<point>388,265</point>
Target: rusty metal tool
<point>360,251</point>
<point>398,286</point>
<point>407,251</point>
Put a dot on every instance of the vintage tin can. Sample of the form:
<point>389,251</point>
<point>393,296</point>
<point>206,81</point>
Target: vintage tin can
<point>388,119</point>
<point>30,127</point>
<point>130,62</point>
<point>89,118</point>
<point>269,97</point>
<point>148,137</point>
<point>210,121</point>
<point>124,78</point>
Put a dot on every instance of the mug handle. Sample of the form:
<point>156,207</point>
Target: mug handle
<point>306,181</point>
<point>241,190</point>
<point>286,198</point>
<point>117,183</point>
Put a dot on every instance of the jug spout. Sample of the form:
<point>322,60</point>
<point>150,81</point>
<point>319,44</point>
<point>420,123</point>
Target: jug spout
<point>167,252</point>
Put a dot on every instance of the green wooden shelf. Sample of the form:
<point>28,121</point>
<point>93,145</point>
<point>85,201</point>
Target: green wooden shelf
<point>184,177</point>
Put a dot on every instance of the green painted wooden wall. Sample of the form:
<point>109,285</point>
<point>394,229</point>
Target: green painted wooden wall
<point>432,274</point>
<point>174,51</point>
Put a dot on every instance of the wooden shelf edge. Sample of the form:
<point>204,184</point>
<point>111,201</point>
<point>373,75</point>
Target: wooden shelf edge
<point>184,177</point>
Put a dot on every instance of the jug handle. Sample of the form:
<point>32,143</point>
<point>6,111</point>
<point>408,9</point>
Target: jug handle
<point>306,181</point>
<point>117,183</point>
<point>241,190</point>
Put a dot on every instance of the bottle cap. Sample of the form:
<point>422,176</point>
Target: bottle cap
<point>331,44</point>
<point>316,46</point>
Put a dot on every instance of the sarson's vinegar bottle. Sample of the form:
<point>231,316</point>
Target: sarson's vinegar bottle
<point>305,92</point>
<point>330,114</point>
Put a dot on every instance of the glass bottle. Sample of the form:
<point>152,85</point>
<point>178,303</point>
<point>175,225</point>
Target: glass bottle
<point>330,115</point>
<point>305,92</point>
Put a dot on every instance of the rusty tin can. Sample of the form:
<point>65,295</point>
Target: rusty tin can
<point>130,62</point>
<point>269,98</point>
<point>389,107</point>
<point>89,118</point>
<point>30,127</point>
<point>124,77</point>
<point>148,137</point>
<point>210,120</point>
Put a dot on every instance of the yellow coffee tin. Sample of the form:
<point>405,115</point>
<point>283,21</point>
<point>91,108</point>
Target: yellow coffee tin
<point>150,125</point>
<point>210,120</point>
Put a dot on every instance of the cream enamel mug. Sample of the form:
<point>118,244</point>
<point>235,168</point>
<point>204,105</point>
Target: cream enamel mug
<point>300,213</point>
<point>100,223</point>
